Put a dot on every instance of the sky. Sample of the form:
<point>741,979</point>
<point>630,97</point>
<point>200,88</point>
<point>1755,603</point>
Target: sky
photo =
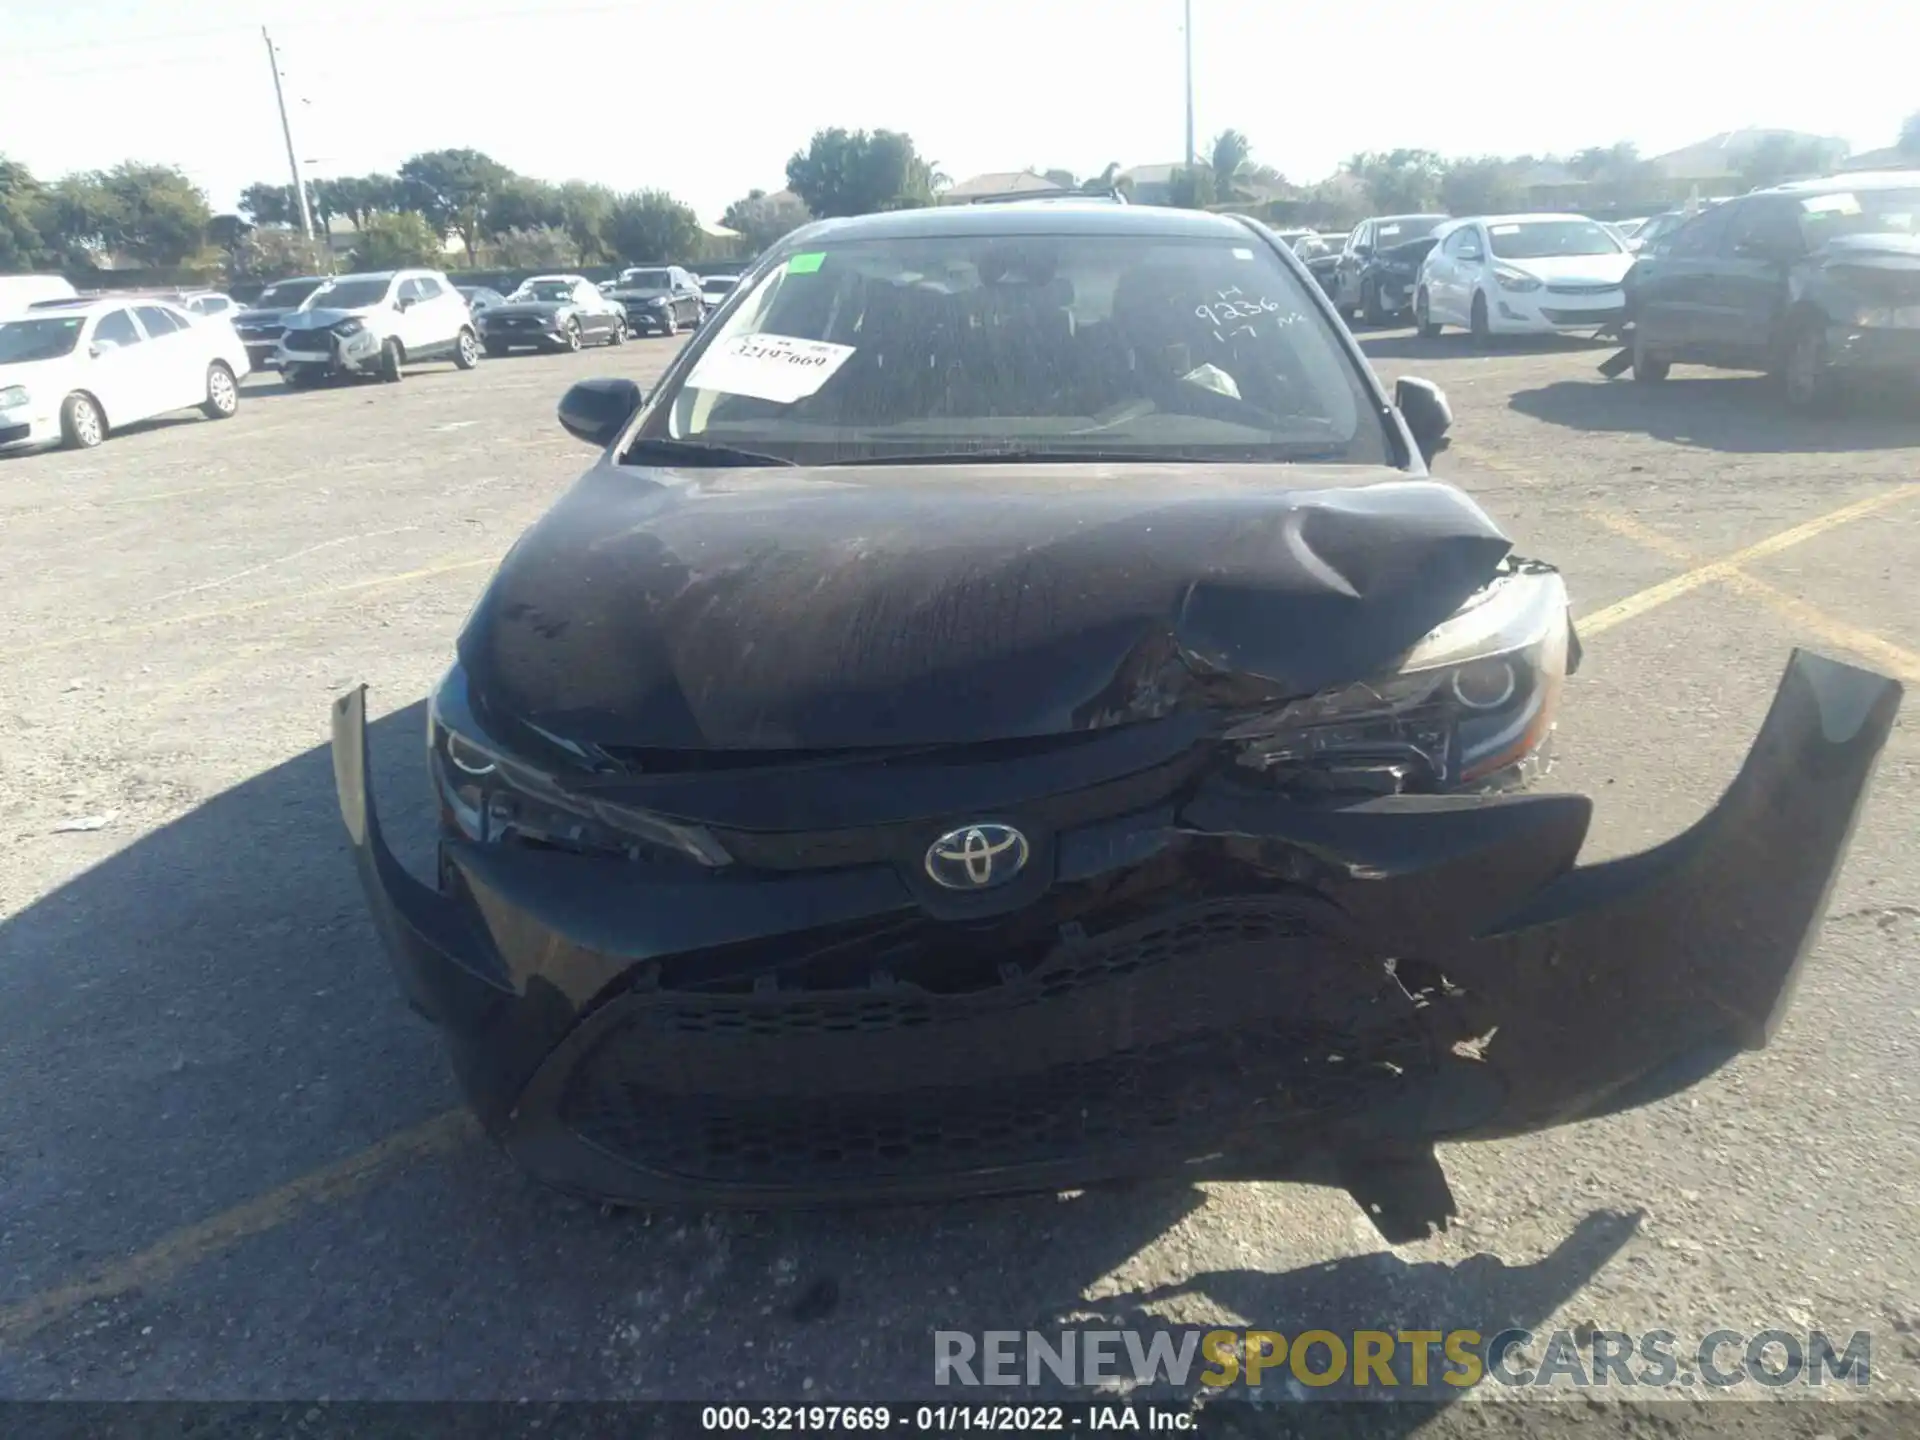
<point>708,101</point>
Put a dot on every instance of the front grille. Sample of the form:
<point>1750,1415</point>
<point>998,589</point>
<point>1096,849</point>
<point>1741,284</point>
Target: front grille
<point>317,342</point>
<point>1168,1037</point>
<point>261,334</point>
<point>1573,289</point>
<point>516,322</point>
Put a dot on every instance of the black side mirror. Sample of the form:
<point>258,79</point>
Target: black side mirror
<point>598,410</point>
<point>1423,405</point>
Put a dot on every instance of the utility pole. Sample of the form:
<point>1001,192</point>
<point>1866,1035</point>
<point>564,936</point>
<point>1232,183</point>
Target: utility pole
<point>286,131</point>
<point>1189,83</point>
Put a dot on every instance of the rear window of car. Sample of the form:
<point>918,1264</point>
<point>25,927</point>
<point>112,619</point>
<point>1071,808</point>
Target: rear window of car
<point>1162,348</point>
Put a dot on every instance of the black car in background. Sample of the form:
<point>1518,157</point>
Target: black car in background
<point>1372,259</point>
<point>659,299</point>
<point>1817,282</point>
<point>1015,712</point>
<point>1396,271</point>
<point>261,324</point>
<point>480,299</point>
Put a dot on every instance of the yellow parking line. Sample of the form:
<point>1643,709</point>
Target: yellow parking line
<point>1901,663</point>
<point>115,632</point>
<point>187,1247</point>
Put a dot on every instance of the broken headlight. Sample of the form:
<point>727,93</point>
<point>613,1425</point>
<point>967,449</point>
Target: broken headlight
<point>489,795</point>
<point>1473,704</point>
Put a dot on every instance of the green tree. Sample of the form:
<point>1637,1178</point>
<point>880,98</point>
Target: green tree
<point>541,247</point>
<point>393,239</point>
<point>277,254</point>
<point>1191,188</point>
<point>161,215</point>
<point>1909,143</point>
<point>1399,182</point>
<point>450,189</point>
<point>22,247</point>
<point>523,203</point>
<point>1778,157</point>
<point>229,232</point>
<point>857,173</point>
<point>585,210</point>
<point>1230,151</point>
<point>762,219</point>
<point>650,225</point>
<point>264,203</point>
<point>1486,186</point>
<point>80,218</point>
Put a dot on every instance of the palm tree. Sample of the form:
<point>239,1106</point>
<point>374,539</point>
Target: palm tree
<point>1230,152</point>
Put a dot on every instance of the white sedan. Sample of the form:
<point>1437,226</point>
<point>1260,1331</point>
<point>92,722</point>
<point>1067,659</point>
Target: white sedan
<point>75,372</point>
<point>1523,275</point>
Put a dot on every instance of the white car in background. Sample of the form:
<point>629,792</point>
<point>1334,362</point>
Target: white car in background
<point>373,324</point>
<point>1523,275</point>
<point>76,372</point>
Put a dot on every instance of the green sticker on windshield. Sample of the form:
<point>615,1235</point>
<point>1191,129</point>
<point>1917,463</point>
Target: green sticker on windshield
<point>806,264</point>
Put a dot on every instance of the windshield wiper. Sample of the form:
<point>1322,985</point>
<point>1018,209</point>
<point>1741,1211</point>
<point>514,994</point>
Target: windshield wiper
<point>696,453</point>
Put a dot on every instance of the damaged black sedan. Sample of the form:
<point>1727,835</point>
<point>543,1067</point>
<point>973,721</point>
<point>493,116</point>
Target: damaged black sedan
<point>1012,711</point>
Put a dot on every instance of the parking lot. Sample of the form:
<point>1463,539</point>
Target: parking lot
<point>230,1162</point>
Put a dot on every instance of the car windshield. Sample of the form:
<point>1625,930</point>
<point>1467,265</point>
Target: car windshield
<point>1402,228</point>
<point>1860,212</point>
<point>1548,239</point>
<point>644,279</point>
<point>23,340</point>
<point>286,294</point>
<point>1135,346</point>
<point>545,291</point>
<point>350,294</point>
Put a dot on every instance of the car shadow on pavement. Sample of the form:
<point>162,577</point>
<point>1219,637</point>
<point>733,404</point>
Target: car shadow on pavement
<point>1736,414</point>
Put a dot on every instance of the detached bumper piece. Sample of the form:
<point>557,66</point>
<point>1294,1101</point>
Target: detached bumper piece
<point>1222,985</point>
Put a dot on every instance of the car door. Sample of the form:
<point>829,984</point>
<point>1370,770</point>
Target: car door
<point>1440,276</point>
<point>1747,290</point>
<point>414,324</point>
<point>1671,290</point>
<point>594,319</point>
<point>117,372</point>
<point>173,360</point>
<point>442,314</point>
<point>1468,272</point>
<point>1346,281</point>
<point>687,297</point>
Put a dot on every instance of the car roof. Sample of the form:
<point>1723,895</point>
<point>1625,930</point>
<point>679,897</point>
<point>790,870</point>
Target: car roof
<point>89,305</point>
<point>1058,217</point>
<point>1858,180</point>
<point>569,279</point>
<point>1530,217</point>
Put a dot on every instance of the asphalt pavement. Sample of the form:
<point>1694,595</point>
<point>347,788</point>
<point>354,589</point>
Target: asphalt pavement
<point>232,1163</point>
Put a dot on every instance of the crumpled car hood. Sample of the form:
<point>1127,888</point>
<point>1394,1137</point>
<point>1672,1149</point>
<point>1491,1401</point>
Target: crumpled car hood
<point>321,319</point>
<point>838,608</point>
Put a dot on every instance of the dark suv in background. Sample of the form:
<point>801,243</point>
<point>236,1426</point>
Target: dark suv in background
<point>1817,282</point>
<point>1374,274</point>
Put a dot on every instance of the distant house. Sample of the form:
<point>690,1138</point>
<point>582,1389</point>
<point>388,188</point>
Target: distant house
<point>997,183</point>
<point>1150,184</point>
<point>1892,157</point>
<point>1715,164</point>
<point>1550,186</point>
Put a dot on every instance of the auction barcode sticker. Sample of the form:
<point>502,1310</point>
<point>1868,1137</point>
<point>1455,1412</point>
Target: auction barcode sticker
<point>780,368</point>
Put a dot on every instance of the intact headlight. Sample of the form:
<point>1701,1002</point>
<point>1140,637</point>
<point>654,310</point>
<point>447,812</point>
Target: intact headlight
<point>13,395</point>
<point>658,301</point>
<point>493,797</point>
<point>1472,703</point>
<point>349,327</point>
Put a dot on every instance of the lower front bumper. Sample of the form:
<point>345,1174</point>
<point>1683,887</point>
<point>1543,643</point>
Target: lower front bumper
<point>1883,351</point>
<point>1242,988</point>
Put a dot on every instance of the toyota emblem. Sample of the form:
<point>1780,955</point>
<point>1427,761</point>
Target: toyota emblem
<point>977,857</point>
